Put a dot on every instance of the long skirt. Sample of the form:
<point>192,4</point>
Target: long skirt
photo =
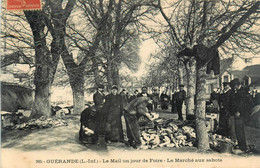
<point>114,129</point>
<point>133,129</point>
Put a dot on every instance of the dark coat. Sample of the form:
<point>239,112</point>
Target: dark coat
<point>179,97</point>
<point>240,101</point>
<point>113,107</point>
<point>124,99</point>
<point>88,119</point>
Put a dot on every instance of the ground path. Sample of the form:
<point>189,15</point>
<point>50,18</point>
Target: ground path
<point>22,148</point>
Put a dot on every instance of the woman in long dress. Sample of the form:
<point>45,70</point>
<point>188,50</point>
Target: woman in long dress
<point>114,130</point>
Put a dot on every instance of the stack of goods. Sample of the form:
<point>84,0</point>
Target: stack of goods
<point>42,122</point>
<point>168,133</point>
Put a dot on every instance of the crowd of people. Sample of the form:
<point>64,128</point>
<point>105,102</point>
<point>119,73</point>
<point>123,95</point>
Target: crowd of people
<point>103,121</point>
<point>234,104</point>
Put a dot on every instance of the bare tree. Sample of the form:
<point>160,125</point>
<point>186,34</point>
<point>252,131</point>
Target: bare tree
<point>43,35</point>
<point>200,29</point>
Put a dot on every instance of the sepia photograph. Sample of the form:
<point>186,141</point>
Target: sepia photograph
<point>130,83</point>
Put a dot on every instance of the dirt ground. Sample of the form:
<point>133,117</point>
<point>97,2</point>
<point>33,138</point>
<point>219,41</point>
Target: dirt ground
<point>27,148</point>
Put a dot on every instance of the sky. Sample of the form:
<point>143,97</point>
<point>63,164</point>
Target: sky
<point>148,47</point>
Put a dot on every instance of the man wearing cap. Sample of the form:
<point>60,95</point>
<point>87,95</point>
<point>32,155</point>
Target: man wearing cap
<point>240,105</point>
<point>224,111</point>
<point>99,100</point>
<point>178,99</point>
<point>99,97</point>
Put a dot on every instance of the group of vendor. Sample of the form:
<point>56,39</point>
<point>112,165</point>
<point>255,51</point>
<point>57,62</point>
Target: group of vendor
<point>235,104</point>
<point>103,121</point>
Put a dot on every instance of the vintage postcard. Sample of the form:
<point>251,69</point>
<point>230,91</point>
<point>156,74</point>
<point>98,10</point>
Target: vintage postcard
<point>130,83</point>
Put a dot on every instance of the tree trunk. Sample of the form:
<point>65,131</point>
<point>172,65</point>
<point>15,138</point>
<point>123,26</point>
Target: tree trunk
<point>76,78</point>
<point>77,87</point>
<point>115,76</point>
<point>180,73</point>
<point>202,135</point>
<point>109,73</point>
<point>191,84</point>
<point>45,68</point>
<point>41,104</point>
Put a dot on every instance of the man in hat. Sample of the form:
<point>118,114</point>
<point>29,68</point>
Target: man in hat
<point>224,111</point>
<point>240,105</point>
<point>178,99</point>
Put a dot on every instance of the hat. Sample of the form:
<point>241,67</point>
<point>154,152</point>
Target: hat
<point>181,85</point>
<point>114,87</point>
<point>234,82</point>
<point>144,87</point>
<point>100,86</point>
<point>123,90</point>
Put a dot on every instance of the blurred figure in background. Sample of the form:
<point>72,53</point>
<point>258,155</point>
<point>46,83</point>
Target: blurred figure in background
<point>134,95</point>
<point>165,100</point>
<point>155,98</point>
<point>179,98</point>
<point>145,94</point>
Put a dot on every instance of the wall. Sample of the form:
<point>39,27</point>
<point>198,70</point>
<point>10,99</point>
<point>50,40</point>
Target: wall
<point>14,97</point>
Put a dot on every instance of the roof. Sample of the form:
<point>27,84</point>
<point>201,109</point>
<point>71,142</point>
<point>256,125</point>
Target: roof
<point>252,71</point>
<point>15,58</point>
<point>10,59</point>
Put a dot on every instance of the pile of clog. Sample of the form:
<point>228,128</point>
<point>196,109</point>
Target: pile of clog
<point>42,122</point>
<point>166,133</point>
